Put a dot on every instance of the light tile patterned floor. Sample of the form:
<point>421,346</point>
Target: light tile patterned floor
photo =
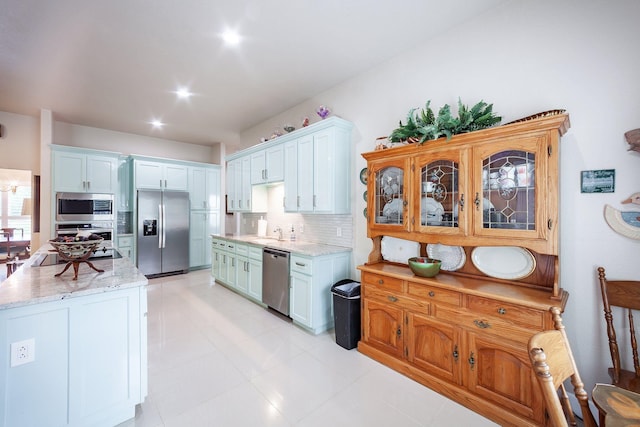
<point>217,359</point>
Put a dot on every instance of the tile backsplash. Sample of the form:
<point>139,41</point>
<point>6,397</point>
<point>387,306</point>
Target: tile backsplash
<point>318,228</point>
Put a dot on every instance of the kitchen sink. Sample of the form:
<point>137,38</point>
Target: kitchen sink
<point>265,241</point>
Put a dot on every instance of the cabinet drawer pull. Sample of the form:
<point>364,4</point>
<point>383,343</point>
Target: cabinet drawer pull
<point>432,294</point>
<point>502,311</point>
<point>392,298</point>
<point>481,324</point>
<point>300,264</point>
<point>380,282</point>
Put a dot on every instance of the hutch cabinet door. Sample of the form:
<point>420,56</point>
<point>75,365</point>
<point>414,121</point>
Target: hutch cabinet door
<point>510,197</point>
<point>388,195</point>
<point>501,372</point>
<point>382,327</point>
<point>440,203</point>
<point>434,347</point>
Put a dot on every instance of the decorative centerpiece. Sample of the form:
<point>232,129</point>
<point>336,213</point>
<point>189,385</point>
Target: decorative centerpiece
<point>323,112</point>
<point>424,125</point>
<point>424,267</point>
<point>76,252</point>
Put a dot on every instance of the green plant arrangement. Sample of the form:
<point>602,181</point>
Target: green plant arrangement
<point>424,125</point>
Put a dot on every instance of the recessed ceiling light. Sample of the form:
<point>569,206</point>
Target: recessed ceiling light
<point>231,37</point>
<point>156,123</point>
<point>183,93</point>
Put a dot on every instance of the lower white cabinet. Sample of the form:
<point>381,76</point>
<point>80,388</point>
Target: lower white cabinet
<point>311,280</point>
<point>125,246</point>
<point>245,263</point>
<point>203,225</point>
<point>90,366</point>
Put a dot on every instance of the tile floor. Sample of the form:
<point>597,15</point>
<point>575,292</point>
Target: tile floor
<point>217,359</point>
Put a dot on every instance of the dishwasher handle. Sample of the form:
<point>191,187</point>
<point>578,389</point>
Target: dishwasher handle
<point>275,252</point>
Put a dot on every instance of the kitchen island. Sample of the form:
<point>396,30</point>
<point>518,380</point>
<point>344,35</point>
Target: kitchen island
<point>74,351</point>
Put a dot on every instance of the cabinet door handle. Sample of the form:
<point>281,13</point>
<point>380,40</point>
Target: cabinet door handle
<point>502,311</point>
<point>477,201</point>
<point>314,200</point>
<point>298,202</point>
<point>88,185</point>
<point>461,202</point>
<point>165,183</point>
<point>481,324</point>
<point>471,360</point>
<point>392,298</point>
<point>455,353</point>
<point>399,332</point>
<point>380,282</point>
<point>432,294</point>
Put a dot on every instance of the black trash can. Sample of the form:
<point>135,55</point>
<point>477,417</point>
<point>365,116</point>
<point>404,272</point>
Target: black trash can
<point>346,312</point>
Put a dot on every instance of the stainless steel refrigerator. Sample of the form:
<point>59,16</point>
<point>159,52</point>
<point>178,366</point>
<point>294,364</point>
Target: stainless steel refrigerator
<point>163,232</point>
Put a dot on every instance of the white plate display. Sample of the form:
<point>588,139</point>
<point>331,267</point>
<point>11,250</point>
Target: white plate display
<point>431,211</point>
<point>452,257</point>
<point>503,262</point>
<point>398,250</point>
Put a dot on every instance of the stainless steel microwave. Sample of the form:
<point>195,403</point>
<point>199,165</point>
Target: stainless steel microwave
<point>84,207</point>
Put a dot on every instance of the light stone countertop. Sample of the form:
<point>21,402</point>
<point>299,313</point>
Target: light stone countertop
<point>297,247</point>
<point>34,285</point>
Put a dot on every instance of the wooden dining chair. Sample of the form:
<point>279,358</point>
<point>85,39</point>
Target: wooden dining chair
<point>624,294</point>
<point>553,363</point>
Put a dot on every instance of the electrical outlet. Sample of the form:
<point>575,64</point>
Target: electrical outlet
<point>339,231</point>
<point>23,352</point>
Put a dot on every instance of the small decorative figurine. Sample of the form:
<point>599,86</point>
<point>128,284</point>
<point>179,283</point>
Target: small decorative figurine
<point>323,112</point>
<point>305,122</point>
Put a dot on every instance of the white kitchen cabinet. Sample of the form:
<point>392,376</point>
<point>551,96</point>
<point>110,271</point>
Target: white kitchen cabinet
<point>320,182</point>
<point>216,257</point>
<point>203,225</point>
<point>241,195</point>
<point>311,279</point>
<point>124,199</point>
<point>227,263</point>
<point>242,268</point>
<point>204,187</point>
<point>90,365</point>
<point>84,171</point>
<point>157,175</point>
<point>249,271</point>
<point>125,246</point>
<point>268,165</point>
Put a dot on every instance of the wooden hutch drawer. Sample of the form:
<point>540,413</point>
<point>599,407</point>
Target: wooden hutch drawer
<point>397,300</point>
<point>434,294</point>
<point>383,282</point>
<point>480,325</point>
<point>519,315</point>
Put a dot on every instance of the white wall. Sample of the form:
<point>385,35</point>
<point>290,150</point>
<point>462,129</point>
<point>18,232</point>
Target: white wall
<point>524,57</point>
<point>19,144</point>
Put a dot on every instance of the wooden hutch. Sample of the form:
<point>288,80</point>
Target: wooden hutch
<point>464,332</point>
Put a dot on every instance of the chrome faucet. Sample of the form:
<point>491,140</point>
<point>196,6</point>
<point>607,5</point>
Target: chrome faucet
<point>279,231</point>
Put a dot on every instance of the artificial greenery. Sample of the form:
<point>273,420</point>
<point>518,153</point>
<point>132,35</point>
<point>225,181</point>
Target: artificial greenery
<point>423,125</point>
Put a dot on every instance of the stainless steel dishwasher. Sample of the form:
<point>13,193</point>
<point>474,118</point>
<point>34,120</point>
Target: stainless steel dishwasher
<point>275,279</point>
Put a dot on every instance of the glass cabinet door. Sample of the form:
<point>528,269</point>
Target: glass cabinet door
<point>439,192</point>
<point>387,195</point>
<point>508,197</point>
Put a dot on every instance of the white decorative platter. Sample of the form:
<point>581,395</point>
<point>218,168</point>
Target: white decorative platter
<point>398,250</point>
<point>504,262</point>
<point>452,257</point>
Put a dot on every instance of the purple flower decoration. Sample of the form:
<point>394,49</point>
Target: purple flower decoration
<point>323,112</point>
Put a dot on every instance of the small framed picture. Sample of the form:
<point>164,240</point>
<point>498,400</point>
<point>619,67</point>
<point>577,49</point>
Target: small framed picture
<point>598,181</point>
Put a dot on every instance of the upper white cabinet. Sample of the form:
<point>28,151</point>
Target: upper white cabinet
<point>204,187</point>
<point>268,165</point>
<point>314,162</point>
<point>160,175</point>
<point>125,203</point>
<point>241,195</point>
<point>84,171</point>
<point>322,182</point>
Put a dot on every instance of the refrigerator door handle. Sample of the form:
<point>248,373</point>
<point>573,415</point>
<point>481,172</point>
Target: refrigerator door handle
<point>164,231</point>
<point>160,227</point>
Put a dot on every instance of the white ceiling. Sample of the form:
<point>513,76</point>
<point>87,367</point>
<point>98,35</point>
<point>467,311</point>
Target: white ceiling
<point>115,64</point>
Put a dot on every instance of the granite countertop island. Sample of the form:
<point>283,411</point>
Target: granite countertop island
<point>33,284</point>
<point>74,352</point>
<point>300,247</point>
